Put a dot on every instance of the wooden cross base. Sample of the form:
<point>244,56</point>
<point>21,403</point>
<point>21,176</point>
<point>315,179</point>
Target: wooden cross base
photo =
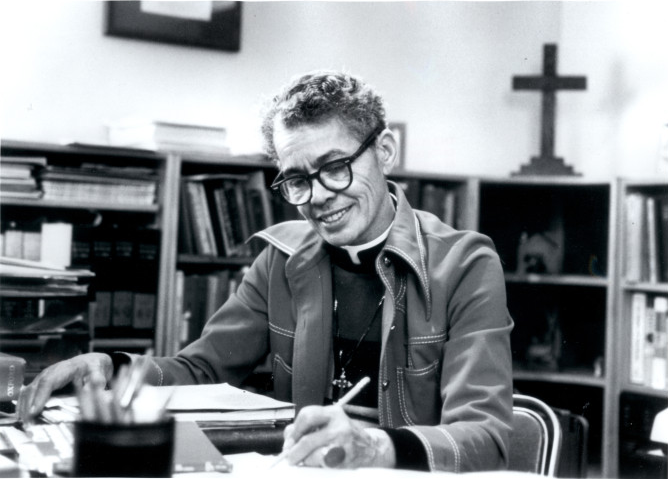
<point>546,166</point>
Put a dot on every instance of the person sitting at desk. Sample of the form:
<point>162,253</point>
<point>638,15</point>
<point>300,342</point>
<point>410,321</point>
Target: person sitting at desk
<point>365,286</point>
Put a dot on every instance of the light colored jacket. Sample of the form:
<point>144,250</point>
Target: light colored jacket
<point>445,368</point>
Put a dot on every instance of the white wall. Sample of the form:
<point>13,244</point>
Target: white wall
<point>444,67</point>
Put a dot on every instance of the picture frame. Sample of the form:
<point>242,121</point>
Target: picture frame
<point>221,30</point>
<point>399,130</point>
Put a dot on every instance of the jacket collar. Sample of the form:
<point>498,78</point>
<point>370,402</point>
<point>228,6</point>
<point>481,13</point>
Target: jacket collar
<point>405,243</point>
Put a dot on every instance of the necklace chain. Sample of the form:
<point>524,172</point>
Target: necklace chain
<point>342,382</point>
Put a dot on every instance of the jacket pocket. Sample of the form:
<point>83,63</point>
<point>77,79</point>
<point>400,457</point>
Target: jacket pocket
<point>282,378</point>
<point>419,394</point>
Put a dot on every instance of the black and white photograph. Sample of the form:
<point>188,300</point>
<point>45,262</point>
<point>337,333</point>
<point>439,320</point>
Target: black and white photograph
<point>332,238</point>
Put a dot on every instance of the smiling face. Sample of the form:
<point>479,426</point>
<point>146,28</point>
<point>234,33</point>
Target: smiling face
<point>364,210</point>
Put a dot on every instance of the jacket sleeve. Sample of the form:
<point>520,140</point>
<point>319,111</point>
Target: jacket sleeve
<point>476,365</point>
<point>234,340</point>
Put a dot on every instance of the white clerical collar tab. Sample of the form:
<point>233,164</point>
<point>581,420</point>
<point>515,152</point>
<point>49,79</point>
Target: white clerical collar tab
<point>353,251</point>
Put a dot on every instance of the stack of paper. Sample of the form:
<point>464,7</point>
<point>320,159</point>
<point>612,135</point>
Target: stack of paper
<point>224,406</point>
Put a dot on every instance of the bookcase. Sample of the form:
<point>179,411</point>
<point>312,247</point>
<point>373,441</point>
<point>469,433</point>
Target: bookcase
<point>563,242</point>
<point>642,304</point>
<point>90,208</point>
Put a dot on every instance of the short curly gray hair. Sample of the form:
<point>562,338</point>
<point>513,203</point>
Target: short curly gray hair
<point>319,96</point>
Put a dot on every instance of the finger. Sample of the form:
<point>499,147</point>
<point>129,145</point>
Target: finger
<point>24,402</point>
<point>306,449</point>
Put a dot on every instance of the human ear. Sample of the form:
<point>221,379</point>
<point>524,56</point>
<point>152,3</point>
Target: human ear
<point>387,150</point>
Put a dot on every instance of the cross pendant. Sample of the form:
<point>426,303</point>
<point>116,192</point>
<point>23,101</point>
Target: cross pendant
<point>342,383</point>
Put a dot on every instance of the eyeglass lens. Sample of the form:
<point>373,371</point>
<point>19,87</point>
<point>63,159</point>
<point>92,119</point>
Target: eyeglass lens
<point>335,176</point>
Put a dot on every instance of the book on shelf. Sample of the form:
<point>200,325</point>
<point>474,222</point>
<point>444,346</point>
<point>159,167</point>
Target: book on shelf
<point>169,136</point>
<point>646,237</point>
<point>17,176</point>
<point>20,277</point>
<point>100,183</point>
<point>649,348</point>
<point>40,315</point>
<point>147,256</point>
<point>122,274</point>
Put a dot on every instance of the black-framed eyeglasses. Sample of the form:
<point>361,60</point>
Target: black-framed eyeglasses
<point>335,175</point>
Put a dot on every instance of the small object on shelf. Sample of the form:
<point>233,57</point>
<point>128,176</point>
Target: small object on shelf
<point>548,83</point>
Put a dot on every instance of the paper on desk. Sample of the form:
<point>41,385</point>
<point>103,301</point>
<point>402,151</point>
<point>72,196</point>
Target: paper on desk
<point>217,397</point>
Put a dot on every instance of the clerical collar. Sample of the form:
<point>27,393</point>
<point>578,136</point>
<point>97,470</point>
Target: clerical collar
<point>355,250</point>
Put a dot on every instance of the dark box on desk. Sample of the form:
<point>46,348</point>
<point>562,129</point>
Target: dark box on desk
<point>123,450</point>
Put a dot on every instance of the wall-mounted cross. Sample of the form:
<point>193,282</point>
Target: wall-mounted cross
<point>548,83</point>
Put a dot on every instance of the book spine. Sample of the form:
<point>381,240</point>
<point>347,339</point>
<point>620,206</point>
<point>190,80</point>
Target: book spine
<point>56,245</point>
<point>652,241</point>
<point>147,254</point>
<point>634,221</point>
<point>660,357</point>
<point>638,324</point>
<point>662,226</point>
<point>122,281</point>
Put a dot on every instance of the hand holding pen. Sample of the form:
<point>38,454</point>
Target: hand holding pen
<point>327,437</point>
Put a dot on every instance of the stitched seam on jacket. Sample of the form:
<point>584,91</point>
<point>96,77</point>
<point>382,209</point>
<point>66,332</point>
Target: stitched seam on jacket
<point>427,446</point>
<point>415,267</point>
<point>430,337</point>
<point>282,364</point>
<point>402,398</point>
<point>159,372</point>
<point>424,370</point>
<point>427,339</point>
<point>279,244</point>
<point>281,331</point>
<point>455,448</point>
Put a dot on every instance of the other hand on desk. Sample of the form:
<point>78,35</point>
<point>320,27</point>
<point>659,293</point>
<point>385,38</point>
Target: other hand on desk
<point>316,429</point>
<point>95,368</point>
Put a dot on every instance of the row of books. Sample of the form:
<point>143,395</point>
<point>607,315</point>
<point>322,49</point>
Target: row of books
<point>198,297</point>
<point>124,259</point>
<point>33,178</point>
<point>219,212</point>
<point>646,236</point>
<point>649,340</point>
<point>48,242</point>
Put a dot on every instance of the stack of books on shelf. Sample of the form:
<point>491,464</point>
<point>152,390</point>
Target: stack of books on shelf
<point>33,295</point>
<point>219,212</point>
<point>18,176</point>
<point>97,183</point>
<point>649,340</point>
<point>646,235</point>
<point>169,136</point>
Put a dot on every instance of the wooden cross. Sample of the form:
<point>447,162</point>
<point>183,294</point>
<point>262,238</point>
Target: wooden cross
<point>548,83</point>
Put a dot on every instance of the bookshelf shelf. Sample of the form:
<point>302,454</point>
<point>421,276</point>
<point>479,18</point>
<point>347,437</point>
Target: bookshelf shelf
<point>657,288</point>
<point>566,280</point>
<point>581,378</point>
<point>213,261</point>
<point>644,390</point>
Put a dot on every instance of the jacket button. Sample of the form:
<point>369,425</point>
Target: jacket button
<point>385,385</point>
<point>392,327</point>
<point>386,261</point>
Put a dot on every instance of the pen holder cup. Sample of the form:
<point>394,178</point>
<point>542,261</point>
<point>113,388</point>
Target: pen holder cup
<point>123,450</point>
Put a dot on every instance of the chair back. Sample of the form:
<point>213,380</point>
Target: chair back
<point>536,436</point>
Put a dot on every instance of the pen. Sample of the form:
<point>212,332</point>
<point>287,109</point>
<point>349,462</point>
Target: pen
<point>349,396</point>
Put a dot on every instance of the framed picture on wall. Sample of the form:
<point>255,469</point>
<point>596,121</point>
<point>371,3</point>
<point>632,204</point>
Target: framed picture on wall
<point>213,25</point>
<point>399,130</point>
